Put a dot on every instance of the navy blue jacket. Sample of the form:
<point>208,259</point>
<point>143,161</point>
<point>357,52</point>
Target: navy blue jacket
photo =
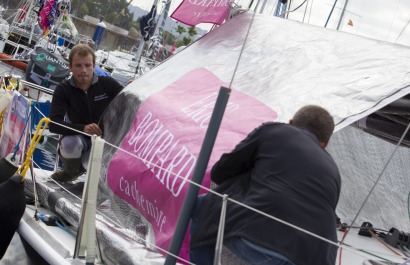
<point>283,171</point>
<point>81,107</point>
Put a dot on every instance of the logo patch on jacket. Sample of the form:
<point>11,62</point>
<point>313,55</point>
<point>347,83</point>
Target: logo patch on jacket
<point>101,97</point>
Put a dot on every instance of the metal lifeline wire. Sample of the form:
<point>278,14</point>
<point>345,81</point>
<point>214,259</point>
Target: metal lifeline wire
<point>113,221</point>
<point>401,32</point>
<point>296,8</point>
<point>392,20</point>
<point>243,46</point>
<point>239,203</point>
<point>20,9</point>
<point>375,184</point>
<point>356,250</point>
<point>347,247</point>
<point>209,190</point>
<point>230,84</point>
<point>109,218</point>
<point>380,175</point>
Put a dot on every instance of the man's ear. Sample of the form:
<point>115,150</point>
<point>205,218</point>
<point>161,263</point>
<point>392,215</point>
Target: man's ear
<point>324,144</point>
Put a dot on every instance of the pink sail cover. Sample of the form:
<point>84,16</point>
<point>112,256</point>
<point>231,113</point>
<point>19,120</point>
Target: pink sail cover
<point>193,12</point>
<point>166,136</point>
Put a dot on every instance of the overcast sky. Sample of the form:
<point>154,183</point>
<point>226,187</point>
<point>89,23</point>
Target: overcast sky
<point>385,20</point>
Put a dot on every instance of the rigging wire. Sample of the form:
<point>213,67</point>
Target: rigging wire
<point>304,14</point>
<point>350,248</point>
<point>271,12</point>
<point>403,250</point>
<point>401,32</point>
<point>250,4</point>
<point>408,204</point>
<point>244,43</point>
<point>391,23</point>
<point>290,3</point>
<point>361,16</point>
<point>290,11</point>
<point>325,26</point>
<point>358,251</point>
<point>385,244</point>
<point>352,222</point>
<point>13,15</point>
<point>346,246</point>
<point>340,252</point>
<point>331,12</point>
<point>108,218</point>
<point>342,15</point>
<point>23,19</point>
<point>379,177</point>
<point>310,11</point>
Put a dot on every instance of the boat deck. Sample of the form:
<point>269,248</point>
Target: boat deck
<point>59,245</point>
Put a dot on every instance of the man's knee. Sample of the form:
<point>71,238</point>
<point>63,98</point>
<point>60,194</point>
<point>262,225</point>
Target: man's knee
<point>71,146</point>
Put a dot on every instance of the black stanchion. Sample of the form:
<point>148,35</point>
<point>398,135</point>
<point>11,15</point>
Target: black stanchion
<point>198,175</point>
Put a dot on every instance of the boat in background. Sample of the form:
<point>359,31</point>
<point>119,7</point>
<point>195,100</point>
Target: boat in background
<point>32,28</point>
<point>123,66</point>
<point>154,128</point>
<point>38,43</point>
<point>47,25</point>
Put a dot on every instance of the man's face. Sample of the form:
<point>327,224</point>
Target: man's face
<point>82,68</point>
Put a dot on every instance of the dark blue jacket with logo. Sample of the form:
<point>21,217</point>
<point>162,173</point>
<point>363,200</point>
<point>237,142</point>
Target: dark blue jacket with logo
<point>81,107</point>
<point>283,171</point>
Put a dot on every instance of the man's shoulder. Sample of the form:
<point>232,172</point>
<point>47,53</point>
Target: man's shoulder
<point>267,128</point>
<point>272,125</point>
<point>106,78</point>
<point>275,128</point>
<point>64,85</point>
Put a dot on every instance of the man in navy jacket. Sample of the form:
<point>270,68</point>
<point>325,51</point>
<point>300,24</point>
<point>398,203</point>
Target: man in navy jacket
<point>79,103</point>
<point>284,171</point>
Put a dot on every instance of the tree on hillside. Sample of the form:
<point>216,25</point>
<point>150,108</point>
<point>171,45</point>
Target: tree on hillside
<point>184,42</point>
<point>168,38</point>
<point>115,12</point>
<point>83,11</point>
<point>180,30</point>
<point>80,8</point>
<point>192,31</point>
<point>124,17</point>
<point>135,24</point>
<point>133,32</point>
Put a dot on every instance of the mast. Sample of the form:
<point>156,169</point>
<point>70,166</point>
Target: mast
<point>280,8</point>
<point>331,12</point>
<point>142,42</point>
<point>262,7</point>
<point>198,175</point>
<point>162,18</point>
